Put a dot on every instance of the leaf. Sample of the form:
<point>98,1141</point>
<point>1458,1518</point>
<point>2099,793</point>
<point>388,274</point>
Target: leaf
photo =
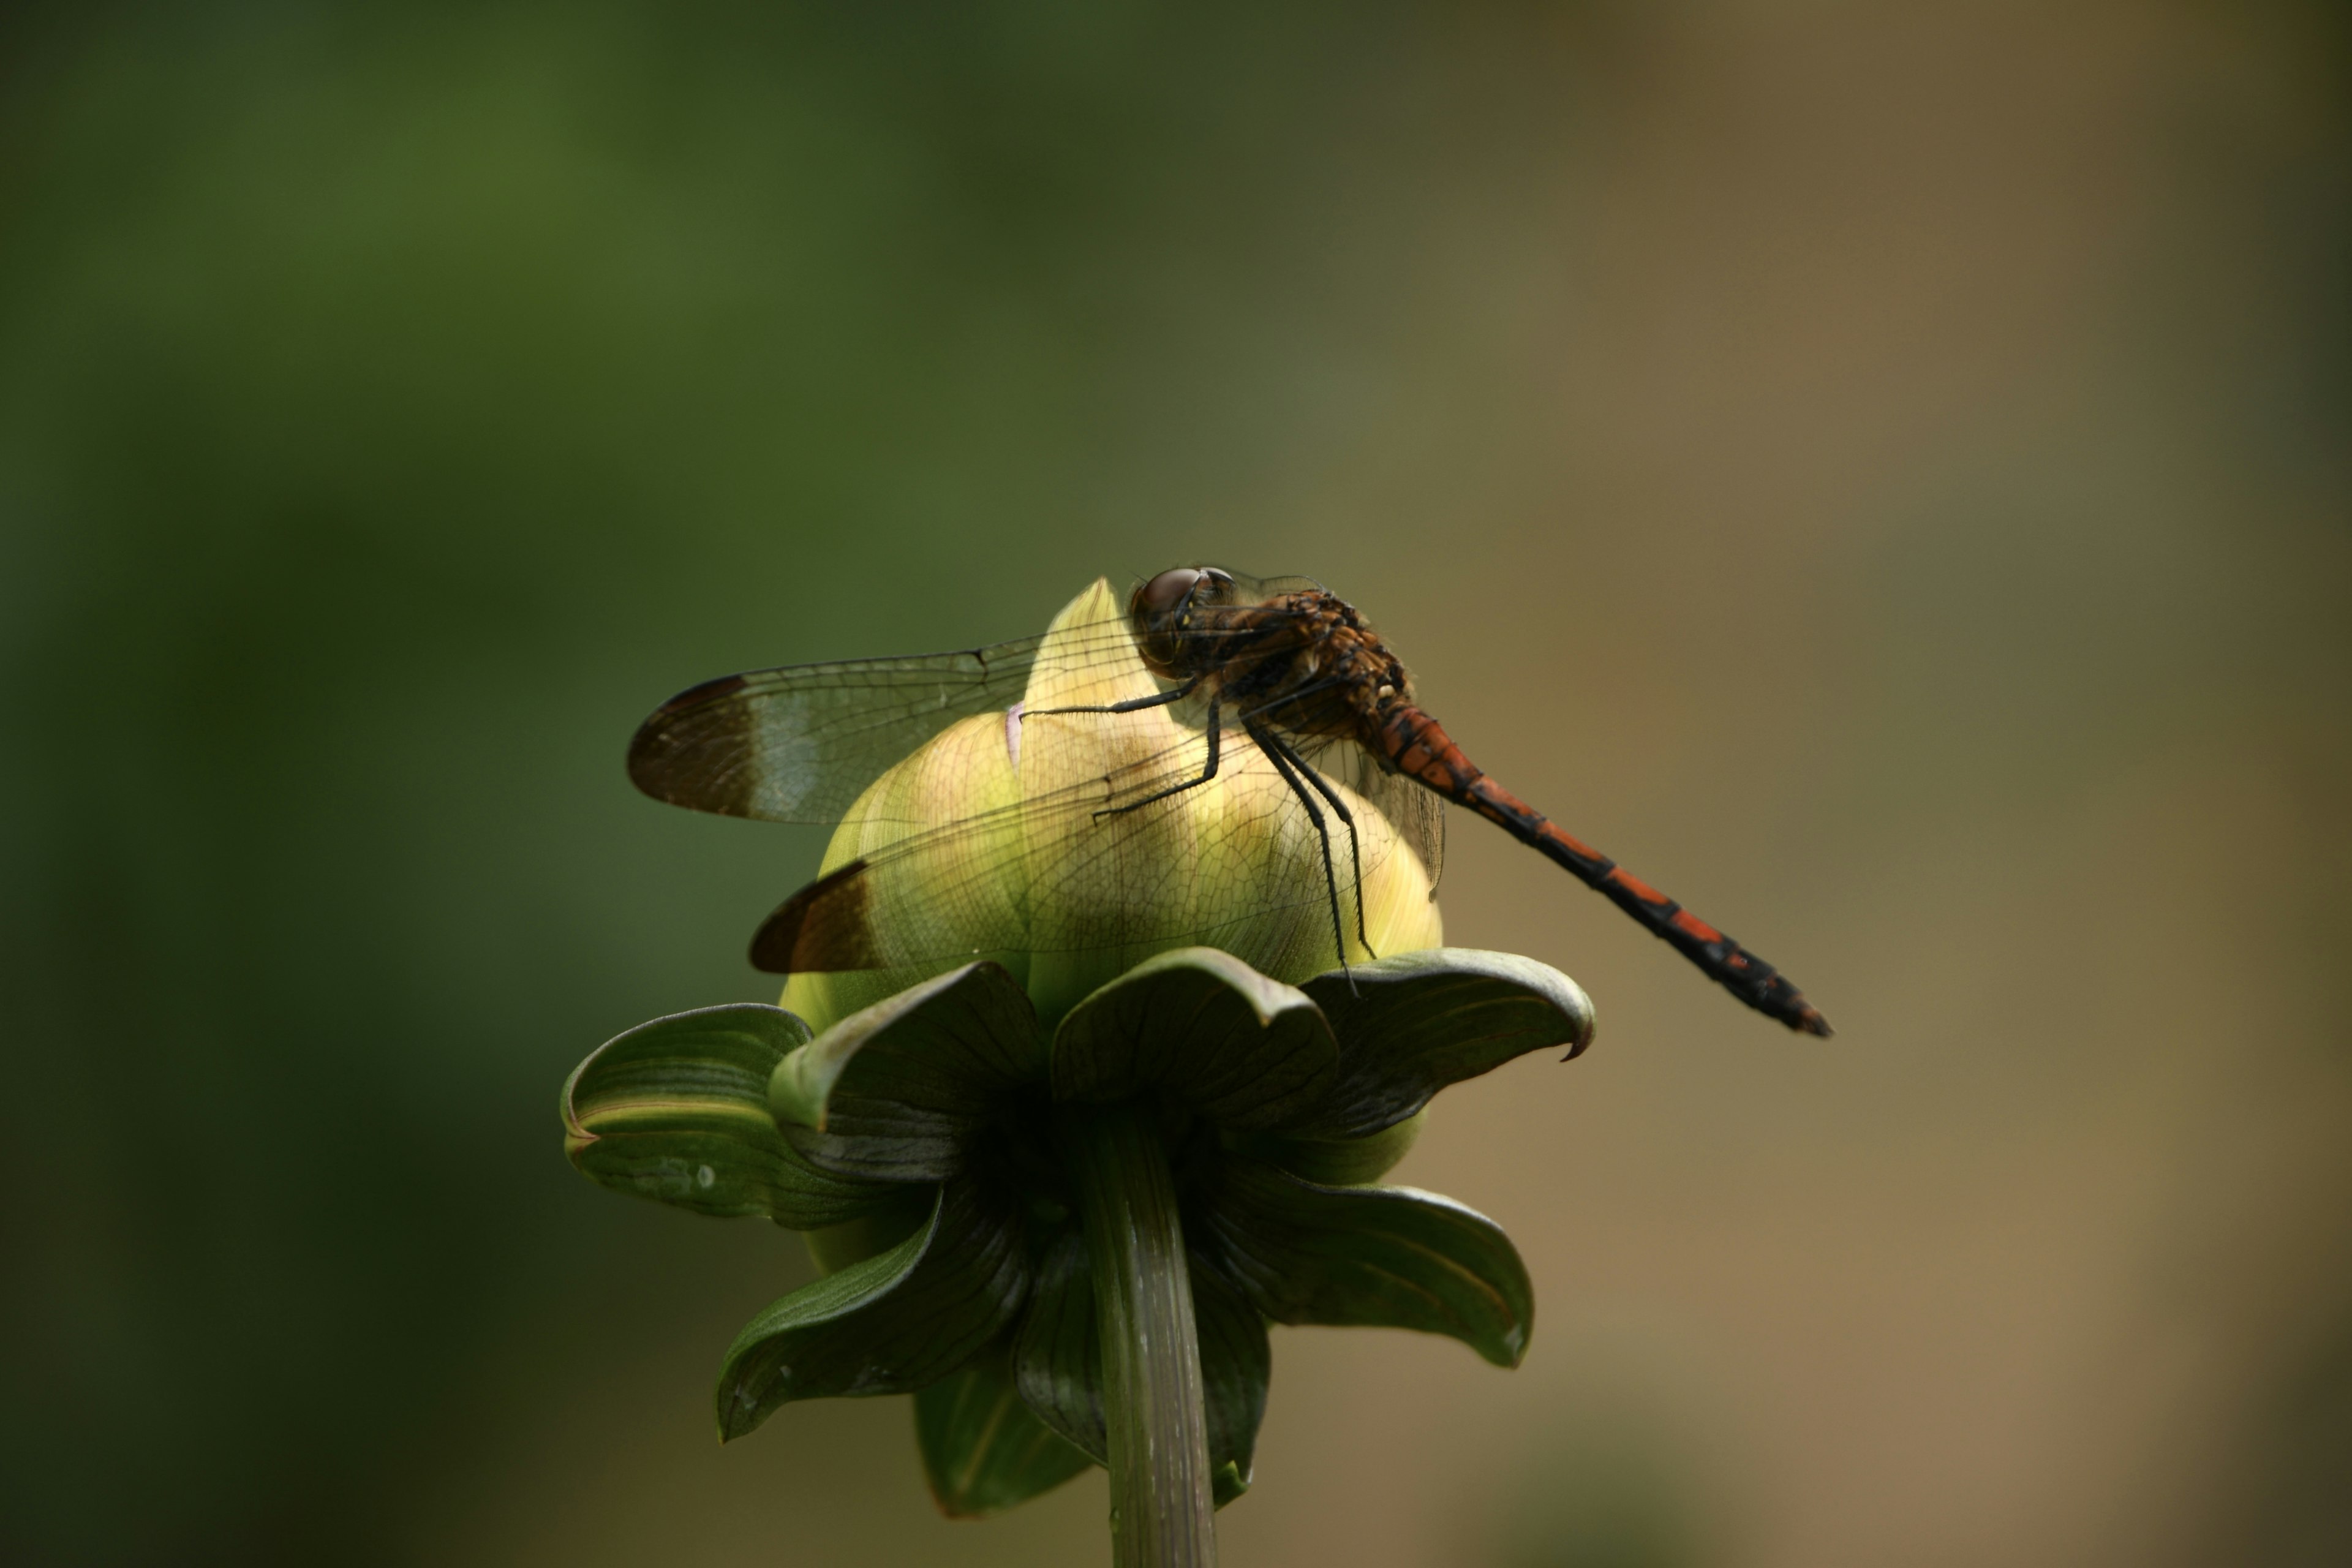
<point>896,1092</point>
<point>1205,1029</point>
<point>1415,1023</point>
<point>677,1110</point>
<point>1370,1257</point>
<point>890,1324</point>
<point>983,1450</point>
<point>1057,1362</point>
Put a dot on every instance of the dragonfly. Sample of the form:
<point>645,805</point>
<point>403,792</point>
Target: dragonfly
<point>1272,674</point>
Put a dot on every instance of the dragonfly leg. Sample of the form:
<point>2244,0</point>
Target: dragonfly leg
<point>1206,775</point>
<point>1354,851</point>
<point>1271,744</point>
<point>1133,704</point>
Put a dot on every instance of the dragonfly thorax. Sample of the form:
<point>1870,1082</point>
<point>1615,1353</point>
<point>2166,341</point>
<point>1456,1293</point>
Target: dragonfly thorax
<point>1304,660</point>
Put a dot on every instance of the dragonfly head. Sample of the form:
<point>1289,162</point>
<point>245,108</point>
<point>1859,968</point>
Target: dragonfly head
<point>1162,612</point>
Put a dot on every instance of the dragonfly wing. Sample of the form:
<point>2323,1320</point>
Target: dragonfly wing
<point>1414,811</point>
<point>799,743</point>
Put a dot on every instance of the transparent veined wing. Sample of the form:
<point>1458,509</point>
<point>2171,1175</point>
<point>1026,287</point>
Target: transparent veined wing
<point>1416,812</point>
<point>801,743</point>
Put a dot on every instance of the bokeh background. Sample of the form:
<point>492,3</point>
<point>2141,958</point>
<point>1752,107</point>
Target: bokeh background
<point>1879,470</point>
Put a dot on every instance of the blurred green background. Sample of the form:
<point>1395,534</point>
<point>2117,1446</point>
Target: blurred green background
<point>1880,471</point>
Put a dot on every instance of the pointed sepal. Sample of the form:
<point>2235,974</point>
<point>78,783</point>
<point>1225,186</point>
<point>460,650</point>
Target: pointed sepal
<point>677,1110</point>
<point>1236,1364</point>
<point>1411,1024</point>
<point>891,1324</point>
<point>1057,1356</point>
<point>1338,1161</point>
<point>1057,1362</point>
<point>1370,1257</point>
<point>897,1091</point>
<point>983,1450</point>
<point>1202,1028</point>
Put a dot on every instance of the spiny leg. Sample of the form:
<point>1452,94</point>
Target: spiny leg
<point>1133,704</point>
<point>1354,851</point>
<point>1272,746</point>
<point>1206,775</point>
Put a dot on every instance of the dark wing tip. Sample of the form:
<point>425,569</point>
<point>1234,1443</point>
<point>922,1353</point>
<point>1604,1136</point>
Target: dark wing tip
<point>1806,1019</point>
<point>819,929</point>
<point>668,755</point>
<point>696,696</point>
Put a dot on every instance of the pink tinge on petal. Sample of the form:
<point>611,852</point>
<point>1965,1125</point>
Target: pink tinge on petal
<point>1012,733</point>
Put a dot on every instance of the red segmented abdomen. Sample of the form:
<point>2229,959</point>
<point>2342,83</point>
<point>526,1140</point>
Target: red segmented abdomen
<point>1419,746</point>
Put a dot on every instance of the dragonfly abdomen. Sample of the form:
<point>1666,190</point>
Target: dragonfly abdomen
<point>1419,747</point>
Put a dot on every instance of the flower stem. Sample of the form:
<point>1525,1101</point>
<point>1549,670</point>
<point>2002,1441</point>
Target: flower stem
<point>1160,1509</point>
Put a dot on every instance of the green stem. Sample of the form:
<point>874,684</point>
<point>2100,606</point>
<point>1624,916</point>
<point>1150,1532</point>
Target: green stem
<point>1160,1509</point>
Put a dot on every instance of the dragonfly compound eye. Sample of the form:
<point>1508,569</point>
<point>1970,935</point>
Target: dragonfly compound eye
<point>1163,596</point>
<point>1157,611</point>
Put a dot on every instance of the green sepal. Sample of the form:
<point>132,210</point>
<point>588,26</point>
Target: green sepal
<point>677,1110</point>
<point>1202,1028</point>
<point>891,1324</point>
<point>896,1092</point>
<point>881,1227</point>
<point>1058,1354</point>
<point>1338,1161</point>
<point>1410,1025</point>
<point>983,1450</point>
<point>1057,1362</point>
<point>1369,1257</point>
<point>1236,1364</point>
